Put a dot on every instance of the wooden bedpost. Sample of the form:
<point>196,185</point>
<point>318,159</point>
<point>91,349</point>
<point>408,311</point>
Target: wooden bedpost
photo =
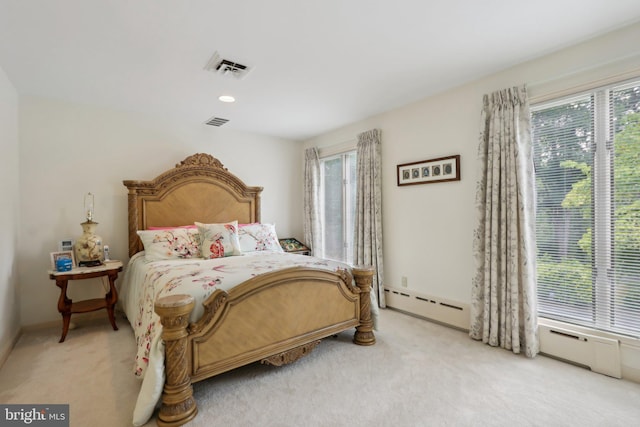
<point>178,406</point>
<point>133,223</point>
<point>363,275</point>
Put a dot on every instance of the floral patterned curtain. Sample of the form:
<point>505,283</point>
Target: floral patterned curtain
<point>368,227</point>
<point>503,295</point>
<point>311,221</point>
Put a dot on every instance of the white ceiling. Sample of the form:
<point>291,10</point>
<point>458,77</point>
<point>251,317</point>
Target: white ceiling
<point>316,65</point>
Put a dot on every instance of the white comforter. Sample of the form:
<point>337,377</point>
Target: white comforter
<point>145,281</point>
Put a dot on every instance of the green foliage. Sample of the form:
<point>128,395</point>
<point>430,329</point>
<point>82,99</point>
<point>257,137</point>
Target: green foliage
<point>572,273</point>
<point>580,194</point>
<point>627,208</point>
<point>572,276</point>
<point>579,198</point>
<point>627,231</point>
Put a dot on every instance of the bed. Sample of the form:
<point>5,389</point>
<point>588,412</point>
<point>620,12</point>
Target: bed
<point>276,316</point>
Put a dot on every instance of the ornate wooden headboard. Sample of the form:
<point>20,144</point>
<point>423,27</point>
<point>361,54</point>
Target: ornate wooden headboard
<point>199,188</point>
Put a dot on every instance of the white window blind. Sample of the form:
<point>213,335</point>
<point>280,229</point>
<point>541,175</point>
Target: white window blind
<point>587,162</point>
<point>338,190</point>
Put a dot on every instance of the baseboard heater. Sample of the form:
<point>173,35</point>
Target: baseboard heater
<point>437,309</point>
<point>601,355</point>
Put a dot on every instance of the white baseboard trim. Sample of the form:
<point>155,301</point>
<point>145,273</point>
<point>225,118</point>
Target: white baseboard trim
<point>601,355</point>
<point>441,310</point>
<point>609,354</point>
<point>603,352</point>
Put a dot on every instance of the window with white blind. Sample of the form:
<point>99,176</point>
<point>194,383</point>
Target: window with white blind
<point>338,200</point>
<point>587,163</point>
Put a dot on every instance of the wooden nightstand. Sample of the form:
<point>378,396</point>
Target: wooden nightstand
<point>294,246</point>
<point>67,307</point>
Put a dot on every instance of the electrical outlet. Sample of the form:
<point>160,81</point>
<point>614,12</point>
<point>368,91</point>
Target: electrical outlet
<point>403,281</point>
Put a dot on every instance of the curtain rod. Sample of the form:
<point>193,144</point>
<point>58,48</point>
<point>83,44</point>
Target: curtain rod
<point>339,148</point>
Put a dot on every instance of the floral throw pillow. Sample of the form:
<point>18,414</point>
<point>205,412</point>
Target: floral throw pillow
<point>219,240</point>
<point>171,243</point>
<point>258,237</point>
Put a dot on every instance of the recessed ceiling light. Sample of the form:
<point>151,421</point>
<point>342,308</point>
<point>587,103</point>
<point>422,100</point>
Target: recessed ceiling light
<point>227,98</point>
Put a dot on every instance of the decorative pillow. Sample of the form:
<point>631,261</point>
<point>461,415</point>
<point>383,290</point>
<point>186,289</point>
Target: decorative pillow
<point>258,237</point>
<point>171,243</point>
<point>171,228</point>
<point>219,240</point>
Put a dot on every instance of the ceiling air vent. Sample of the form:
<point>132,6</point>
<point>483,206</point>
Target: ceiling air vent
<point>216,121</point>
<point>226,67</point>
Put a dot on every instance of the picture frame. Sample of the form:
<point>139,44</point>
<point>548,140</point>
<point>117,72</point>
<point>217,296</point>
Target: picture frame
<point>441,169</point>
<point>293,245</point>
<point>55,256</point>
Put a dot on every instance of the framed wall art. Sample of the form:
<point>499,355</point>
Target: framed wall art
<point>55,256</point>
<point>429,171</point>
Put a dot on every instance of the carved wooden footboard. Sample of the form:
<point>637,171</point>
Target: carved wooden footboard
<point>277,317</point>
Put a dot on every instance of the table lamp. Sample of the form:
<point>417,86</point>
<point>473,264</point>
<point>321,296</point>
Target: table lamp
<point>88,247</point>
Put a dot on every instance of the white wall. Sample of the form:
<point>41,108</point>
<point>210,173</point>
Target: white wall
<point>9,217</point>
<point>428,228</point>
<point>67,150</point>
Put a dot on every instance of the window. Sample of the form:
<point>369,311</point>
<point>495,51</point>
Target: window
<point>587,161</point>
<point>338,199</point>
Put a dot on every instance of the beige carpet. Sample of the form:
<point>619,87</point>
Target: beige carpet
<point>418,374</point>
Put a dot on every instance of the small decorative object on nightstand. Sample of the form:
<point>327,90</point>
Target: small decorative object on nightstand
<point>88,247</point>
<point>67,307</point>
<point>294,246</point>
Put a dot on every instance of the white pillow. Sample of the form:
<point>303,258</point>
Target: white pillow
<point>170,243</point>
<point>219,240</point>
<point>258,237</point>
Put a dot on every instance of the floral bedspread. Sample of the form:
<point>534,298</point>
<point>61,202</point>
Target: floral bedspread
<point>147,281</point>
